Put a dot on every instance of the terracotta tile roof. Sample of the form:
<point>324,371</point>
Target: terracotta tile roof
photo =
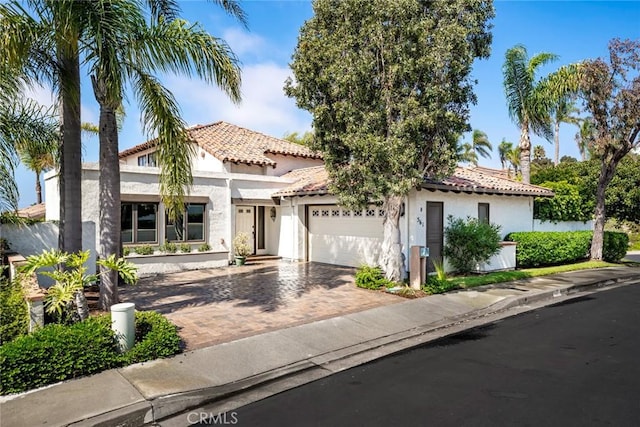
<point>37,211</point>
<point>469,180</point>
<point>313,180</point>
<point>231,143</point>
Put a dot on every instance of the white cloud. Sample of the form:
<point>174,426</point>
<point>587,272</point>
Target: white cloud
<point>264,106</point>
<point>243,42</point>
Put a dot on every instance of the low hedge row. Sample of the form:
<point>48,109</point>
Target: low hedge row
<point>59,352</point>
<point>541,248</point>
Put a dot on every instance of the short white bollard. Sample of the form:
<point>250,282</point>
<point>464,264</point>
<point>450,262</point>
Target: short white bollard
<point>123,323</point>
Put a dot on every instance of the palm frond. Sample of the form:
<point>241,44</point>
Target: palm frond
<point>161,116</point>
<point>184,49</point>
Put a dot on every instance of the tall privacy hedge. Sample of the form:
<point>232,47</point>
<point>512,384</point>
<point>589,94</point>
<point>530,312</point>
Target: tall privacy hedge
<point>540,248</point>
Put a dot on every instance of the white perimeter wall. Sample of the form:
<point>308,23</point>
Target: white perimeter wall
<point>539,225</point>
<point>43,236</point>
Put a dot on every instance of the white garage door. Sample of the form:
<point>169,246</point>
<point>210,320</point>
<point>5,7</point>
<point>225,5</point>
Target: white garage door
<point>345,237</point>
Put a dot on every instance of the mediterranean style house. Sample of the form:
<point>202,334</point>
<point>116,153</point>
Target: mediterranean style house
<point>276,192</point>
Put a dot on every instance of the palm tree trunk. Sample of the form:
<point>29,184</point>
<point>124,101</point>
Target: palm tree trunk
<point>70,237</point>
<point>38,189</point>
<point>109,190</point>
<point>391,258</point>
<point>556,141</point>
<point>525,153</point>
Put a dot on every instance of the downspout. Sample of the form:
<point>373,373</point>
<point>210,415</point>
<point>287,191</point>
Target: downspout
<point>293,230</point>
<point>230,223</point>
<point>405,252</point>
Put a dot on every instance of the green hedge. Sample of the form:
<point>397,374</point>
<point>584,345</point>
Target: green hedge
<point>14,312</point>
<point>615,246</point>
<point>59,352</point>
<point>541,248</point>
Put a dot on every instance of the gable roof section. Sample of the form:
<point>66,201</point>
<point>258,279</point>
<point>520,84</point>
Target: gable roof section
<point>231,143</point>
<point>314,181</point>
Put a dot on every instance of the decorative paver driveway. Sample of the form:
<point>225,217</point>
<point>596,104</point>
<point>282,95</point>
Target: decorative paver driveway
<point>220,305</point>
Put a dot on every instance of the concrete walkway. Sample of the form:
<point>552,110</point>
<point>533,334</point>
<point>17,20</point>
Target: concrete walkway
<point>163,391</point>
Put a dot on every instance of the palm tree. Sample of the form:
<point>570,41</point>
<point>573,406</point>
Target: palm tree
<point>44,45</point>
<point>481,145</point>
<point>563,114</point>
<point>22,124</point>
<point>39,156</point>
<point>503,150</point>
<point>131,52</point>
<point>531,101</point>
<point>584,136</point>
<point>513,157</point>
<point>466,154</point>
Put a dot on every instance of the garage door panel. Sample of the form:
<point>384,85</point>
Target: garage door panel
<point>343,237</point>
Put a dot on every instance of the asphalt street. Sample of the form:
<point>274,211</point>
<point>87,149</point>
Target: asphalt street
<point>576,363</point>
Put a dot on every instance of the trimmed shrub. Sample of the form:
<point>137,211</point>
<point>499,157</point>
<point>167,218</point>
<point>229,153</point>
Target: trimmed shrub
<point>14,312</point>
<point>540,248</point>
<point>61,352</point>
<point>144,250</point>
<point>156,337</point>
<point>204,247</point>
<point>56,353</point>
<point>185,248</point>
<point>615,246</point>
<point>470,242</point>
<point>169,247</point>
<point>369,277</point>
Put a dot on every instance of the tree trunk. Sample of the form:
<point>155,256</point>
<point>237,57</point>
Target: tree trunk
<point>109,224</point>
<point>38,189</point>
<point>70,177</point>
<point>525,153</point>
<point>391,258</point>
<point>556,141</point>
<point>607,170</point>
<point>82,307</point>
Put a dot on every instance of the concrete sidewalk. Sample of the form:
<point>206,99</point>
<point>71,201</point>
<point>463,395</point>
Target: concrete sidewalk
<point>162,391</point>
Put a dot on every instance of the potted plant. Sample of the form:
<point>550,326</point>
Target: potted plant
<point>241,248</point>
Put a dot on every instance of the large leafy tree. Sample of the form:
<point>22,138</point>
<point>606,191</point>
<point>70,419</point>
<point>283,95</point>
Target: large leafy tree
<point>531,100</point>
<point>131,52</point>
<point>388,84</point>
<point>611,92</point>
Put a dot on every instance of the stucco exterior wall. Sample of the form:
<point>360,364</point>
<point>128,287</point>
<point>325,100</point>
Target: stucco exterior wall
<point>562,225</point>
<point>43,236</point>
<point>285,164</point>
<point>512,213</point>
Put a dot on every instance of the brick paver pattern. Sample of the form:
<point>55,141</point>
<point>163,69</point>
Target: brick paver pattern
<point>213,306</point>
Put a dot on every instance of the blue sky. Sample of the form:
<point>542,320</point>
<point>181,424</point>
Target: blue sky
<point>574,30</point>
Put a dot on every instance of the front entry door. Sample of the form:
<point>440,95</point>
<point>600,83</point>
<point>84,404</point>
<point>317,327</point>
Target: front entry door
<point>435,231</point>
<point>245,222</point>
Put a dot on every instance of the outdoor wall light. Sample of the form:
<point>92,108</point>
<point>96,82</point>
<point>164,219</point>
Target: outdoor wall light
<point>272,213</point>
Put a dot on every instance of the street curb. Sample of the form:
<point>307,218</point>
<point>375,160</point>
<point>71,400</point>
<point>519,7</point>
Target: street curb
<point>172,409</point>
<point>335,361</point>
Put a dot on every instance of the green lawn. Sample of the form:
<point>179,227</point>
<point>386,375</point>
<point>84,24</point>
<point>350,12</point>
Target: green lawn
<point>507,276</point>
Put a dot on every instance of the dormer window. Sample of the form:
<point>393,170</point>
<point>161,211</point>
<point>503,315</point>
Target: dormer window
<point>148,160</point>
